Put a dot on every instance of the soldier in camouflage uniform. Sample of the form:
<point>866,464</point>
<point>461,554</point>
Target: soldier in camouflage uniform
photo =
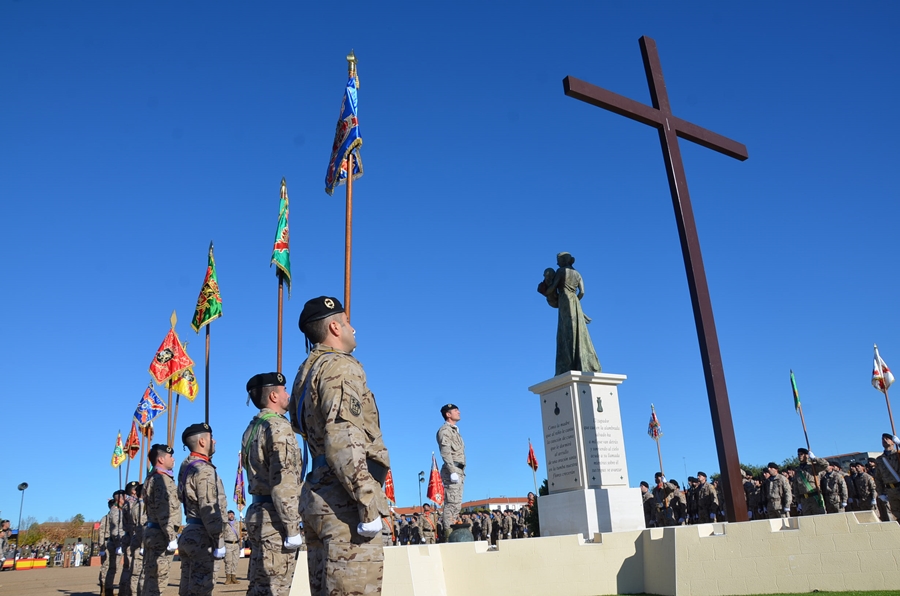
<point>163,515</point>
<point>137,514</point>
<point>115,531</point>
<point>778,493</point>
<point>272,460</point>
<point>691,498</point>
<point>103,539</point>
<point>487,527</point>
<point>428,525</point>
<point>707,500</point>
<point>648,504</point>
<point>807,493</point>
<point>866,492</point>
<point>128,526</point>
<point>232,542</point>
<point>834,488</point>
<point>887,474</point>
<point>201,491</point>
<point>343,498</point>
<point>453,474</point>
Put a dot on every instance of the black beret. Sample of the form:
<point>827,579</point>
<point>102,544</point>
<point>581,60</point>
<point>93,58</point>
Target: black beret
<point>272,379</point>
<point>644,483</point>
<point>111,502</point>
<point>871,460</point>
<point>446,408</point>
<point>132,484</point>
<point>318,309</point>
<point>691,479</point>
<point>702,474</point>
<point>195,429</point>
<point>802,451</point>
<point>675,482</point>
<point>158,448</point>
<point>888,436</point>
<point>772,465</point>
<point>118,492</point>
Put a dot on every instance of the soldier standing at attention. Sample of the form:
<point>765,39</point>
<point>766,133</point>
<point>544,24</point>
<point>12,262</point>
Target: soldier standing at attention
<point>866,493</point>
<point>163,514</point>
<point>887,474</point>
<point>778,493</point>
<point>103,539</point>
<point>487,527</point>
<point>806,489</point>
<point>834,489</point>
<point>201,491</point>
<point>428,525</point>
<point>115,531</point>
<point>453,475</point>
<point>272,460</point>
<point>231,550</point>
<point>647,502</point>
<point>128,526</point>
<point>707,500</point>
<point>138,515</point>
<point>342,499</point>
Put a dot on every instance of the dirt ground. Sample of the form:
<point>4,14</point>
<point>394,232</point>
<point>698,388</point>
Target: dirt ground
<point>82,581</point>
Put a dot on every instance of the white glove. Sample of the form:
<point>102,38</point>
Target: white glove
<point>663,480</point>
<point>119,551</point>
<point>812,455</point>
<point>173,546</point>
<point>293,542</point>
<point>896,440</point>
<point>883,498</point>
<point>873,501</point>
<point>370,529</point>
<point>219,554</point>
<point>454,478</point>
<point>712,516</point>
<point>844,505</point>
<point>142,551</point>
<point>788,509</point>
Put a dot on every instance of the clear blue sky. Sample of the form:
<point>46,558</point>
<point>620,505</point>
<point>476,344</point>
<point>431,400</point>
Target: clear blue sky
<point>133,135</point>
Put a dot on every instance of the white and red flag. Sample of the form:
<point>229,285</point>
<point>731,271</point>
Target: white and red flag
<point>881,374</point>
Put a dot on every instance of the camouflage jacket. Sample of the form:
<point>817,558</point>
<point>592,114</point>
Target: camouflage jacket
<point>778,493</point>
<point>201,492</point>
<point>453,449</point>
<point>161,502</point>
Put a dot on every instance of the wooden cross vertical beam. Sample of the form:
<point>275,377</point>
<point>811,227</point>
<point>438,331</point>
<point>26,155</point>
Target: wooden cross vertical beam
<point>670,128</point>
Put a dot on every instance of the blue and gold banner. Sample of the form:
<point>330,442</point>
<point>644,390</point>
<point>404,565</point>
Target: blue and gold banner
<point>346,140</point>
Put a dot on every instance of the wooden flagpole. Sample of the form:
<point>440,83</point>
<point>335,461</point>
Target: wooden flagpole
<point>175,417</point>
<point>890,415</point>
<point>348,234</point>
<point>208,325</point>
<point>127,463</point>
<point>143,440</point>
<point>659,453</point>
<point>280,317</point>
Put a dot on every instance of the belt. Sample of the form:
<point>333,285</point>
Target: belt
<point>377,471</point>
<point>459,465</point>
<point>193,521</point>
<point>154,525</point>
<point>812,493</point>
<point>262,499</point>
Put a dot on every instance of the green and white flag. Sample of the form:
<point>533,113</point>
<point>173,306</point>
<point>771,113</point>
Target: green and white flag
<point>281,254</point>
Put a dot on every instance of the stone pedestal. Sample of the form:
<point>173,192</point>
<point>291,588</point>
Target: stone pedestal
<point>585,449</point>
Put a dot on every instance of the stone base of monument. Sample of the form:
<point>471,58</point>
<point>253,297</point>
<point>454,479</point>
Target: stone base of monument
<point>585,450</point>
<point>591,511</point>
<point>844,551</point>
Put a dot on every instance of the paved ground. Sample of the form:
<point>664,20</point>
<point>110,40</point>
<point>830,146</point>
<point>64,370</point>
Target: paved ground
<point>82,581</point>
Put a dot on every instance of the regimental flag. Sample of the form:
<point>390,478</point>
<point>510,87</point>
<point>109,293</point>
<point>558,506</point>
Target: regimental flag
<point>147,431</point>
<point>209,303</point>
<point>281,254</point>
<point>150,406</point>
<point>184,383</point>
<point>796,393</point>
<point>389,487</point>
<point>435,486</point>
<point>170,358</point>
<point>239,498</point>
<point>118,455</point>
<point>654,429</point>
<point>881,374</point>
<point>532,460</point>
<point>347,138</point>
<point>133,442</point>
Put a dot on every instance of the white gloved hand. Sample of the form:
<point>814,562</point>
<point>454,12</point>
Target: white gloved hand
<point>896,440</point>
<point>119,551</point>
<point>173,546</point>
<point>219,554</point>
<point>370,529</point>
<point>787,509</point>
<point>712,516</point>
<point>142,551</point>
<point>873,501</point>
<point>812,455</point>
<point>883,498</point>
<point>293,542</point>
<point>844,505</point>
<point>454,478</point>
<point>663,479</point>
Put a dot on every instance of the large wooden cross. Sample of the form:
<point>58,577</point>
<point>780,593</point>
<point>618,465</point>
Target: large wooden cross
<point>670,128</point>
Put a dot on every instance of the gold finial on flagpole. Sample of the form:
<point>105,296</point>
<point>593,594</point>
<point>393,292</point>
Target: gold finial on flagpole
<point>351,67</point>
<point>173,319</point>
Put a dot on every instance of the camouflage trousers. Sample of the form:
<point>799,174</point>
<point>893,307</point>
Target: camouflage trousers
<point>111,563</point>
<point>777,512</point>
<point>156,562</point>
<point>340,561</point>
<point>833,506</point>
<point>125,579</point>
<point>137,573</point>
<point>452,498</point>
<point>271,565</point>
<point>197,563</point>
<point>231,558</point>
<point>811,506</point>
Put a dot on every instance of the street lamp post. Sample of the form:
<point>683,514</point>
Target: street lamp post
<point>22,488</point>
<point>421,482</point>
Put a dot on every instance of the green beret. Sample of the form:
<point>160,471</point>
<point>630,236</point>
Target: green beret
<point>195,429</point>
<point>318,309</point>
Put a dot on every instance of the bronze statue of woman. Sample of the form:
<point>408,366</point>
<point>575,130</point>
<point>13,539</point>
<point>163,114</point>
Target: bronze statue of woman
<point>574,349</point>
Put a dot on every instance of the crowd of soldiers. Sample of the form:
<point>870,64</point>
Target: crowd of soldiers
<point>814,486</point>
<point>427,527</point>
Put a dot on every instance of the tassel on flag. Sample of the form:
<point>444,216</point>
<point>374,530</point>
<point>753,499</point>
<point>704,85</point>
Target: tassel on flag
<point>239,497</point>
<point>435,486</point>
<point>532,460</point>
<point>796,393</point>
<point>147,431</point>
<point>118,456</point>
<point>389,487</point>
<point>654,429</point>
<point>881,374</point>
<point>150,406</point>
<point>347,138</point>
<point>133,442</point>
